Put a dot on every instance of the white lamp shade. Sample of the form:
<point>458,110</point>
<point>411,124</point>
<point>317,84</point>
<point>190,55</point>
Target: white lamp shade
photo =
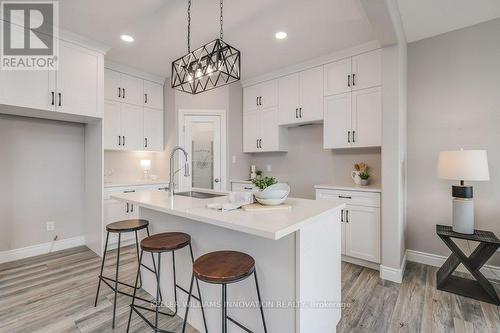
<point>146,165</point>
<point>467,165</point>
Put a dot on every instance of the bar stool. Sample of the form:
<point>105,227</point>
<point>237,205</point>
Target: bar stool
<point>160,243</point>
<point>120,227</point>
<point>224,267</point>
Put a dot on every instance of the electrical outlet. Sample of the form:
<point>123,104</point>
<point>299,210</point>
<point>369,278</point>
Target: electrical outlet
<point>51,226</point>
<point>234,159</point>
<point>269,168</point>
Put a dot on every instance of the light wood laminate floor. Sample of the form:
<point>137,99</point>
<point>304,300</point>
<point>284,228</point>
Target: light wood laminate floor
<point>55,293</point>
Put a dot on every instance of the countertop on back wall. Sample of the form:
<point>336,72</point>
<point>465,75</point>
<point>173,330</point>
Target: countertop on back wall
<point>121,183</point>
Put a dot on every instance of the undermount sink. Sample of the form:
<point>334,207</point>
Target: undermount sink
<point>199,195</point>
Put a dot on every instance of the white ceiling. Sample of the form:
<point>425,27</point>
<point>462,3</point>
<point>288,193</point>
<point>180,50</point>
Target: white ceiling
<point>314,27</point>
<point>427,18</point>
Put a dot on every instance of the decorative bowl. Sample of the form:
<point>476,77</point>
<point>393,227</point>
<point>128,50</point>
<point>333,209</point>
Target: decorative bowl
<point>273,195</point>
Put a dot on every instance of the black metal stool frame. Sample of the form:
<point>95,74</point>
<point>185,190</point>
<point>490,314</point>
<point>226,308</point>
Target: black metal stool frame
<point>133,306</point>
<point>225,316</point>
<point>114,287</point>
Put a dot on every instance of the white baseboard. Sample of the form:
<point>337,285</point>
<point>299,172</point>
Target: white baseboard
<point>393,274</point>
<point>361,262</point>
<point>35,250</point>
<point>491,272</point>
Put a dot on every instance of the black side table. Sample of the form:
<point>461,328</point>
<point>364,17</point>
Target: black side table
<point>480,289</point>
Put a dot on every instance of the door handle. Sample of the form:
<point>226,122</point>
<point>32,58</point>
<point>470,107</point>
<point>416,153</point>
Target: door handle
<point>145,98</point>
<point>260,143</point>
<point>349,80</point>
<point>296,113</point>
<point>129,191</point>
<point>345,197</point>
<point>145,142</point>
<point>131,208</point>
<point>216,180</point>
<point>347,216</point>
<point>119,140</point>
<point>53,96</point>
<point>257,143</point>
<point>123,93</point>
<point>123,136</point>
<point>349,137</point>
<point>300,112</point>
<point>257,100</point>
<point>342,215</point>
<point>60,99</point>
<point>353,136</point>
<point>260,100</point>
<point>127,208</point>
<point>353,82</point>
<point>119,92</point>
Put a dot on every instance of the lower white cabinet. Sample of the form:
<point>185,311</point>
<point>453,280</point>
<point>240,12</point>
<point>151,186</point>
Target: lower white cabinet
<point>243,186</point>
<point>360,222</point>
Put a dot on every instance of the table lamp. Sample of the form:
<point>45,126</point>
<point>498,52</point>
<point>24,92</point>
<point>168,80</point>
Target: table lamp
<point>146,167</point>
<point>463,165</point>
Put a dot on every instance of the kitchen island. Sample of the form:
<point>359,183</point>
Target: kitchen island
<point>297,254</point>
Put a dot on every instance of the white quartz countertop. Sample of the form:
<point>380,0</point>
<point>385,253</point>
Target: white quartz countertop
<point>350,187</point>
<point>268,224</point>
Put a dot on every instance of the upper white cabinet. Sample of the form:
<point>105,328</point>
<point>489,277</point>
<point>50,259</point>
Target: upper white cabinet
<point>353,73</point>
<point>301,97</point>
<point>353,119</point>
<point>261,96</point>
<point>74,88</point>
<point>133,117</point>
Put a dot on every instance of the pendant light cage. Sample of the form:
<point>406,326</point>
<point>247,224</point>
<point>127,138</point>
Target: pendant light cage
<point>208,67</point>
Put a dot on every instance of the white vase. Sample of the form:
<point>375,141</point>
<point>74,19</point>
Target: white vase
<point>355,177</point>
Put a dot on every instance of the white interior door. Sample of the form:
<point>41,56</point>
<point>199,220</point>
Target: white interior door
<point>203,140</point>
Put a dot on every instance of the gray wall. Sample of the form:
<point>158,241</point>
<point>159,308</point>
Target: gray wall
<point>42,179</point>
<point>453,102</point>
<point>307,164</point>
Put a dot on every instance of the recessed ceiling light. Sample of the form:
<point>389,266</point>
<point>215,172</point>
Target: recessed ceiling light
<point>280,35</point>
<point>127,38</point>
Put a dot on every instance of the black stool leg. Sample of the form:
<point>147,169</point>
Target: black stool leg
<point>158,302</point>
<point>199,292</point>
<point>135,290</point>
<point>102,268</point>
<point>137,249</point>
<point>260,301</point>
<point>187,305</point>
<point>224,308</point>
<point>116,277</point>
<point>153,260</point>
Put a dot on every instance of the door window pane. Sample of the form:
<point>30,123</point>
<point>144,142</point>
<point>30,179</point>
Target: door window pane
<point>202,147</point>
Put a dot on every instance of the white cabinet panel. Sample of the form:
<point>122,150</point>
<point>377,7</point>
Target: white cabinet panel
<point>30,89</point>
<point>251,98</point>
<point>112,125</point>
<point>363,233</point>
<point>153,130</point>
<point>311,94</point>
<point>337,123</point>
<point>269,135</point>
<point>132,127</point>
<point>367,70</point>
<point>367,117</point>
<point>132,89</point>
<point>343,228</point>
<point>112,85</point>
<point>251,131</point>
<point>153,95</point>
<point>337,77</point>
<point>288,95</point>
<point>243,187</point>
<point>77,81</point>
<point>269,94</point>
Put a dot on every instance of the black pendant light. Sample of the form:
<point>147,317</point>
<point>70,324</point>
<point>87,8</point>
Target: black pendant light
<point>210,66</point>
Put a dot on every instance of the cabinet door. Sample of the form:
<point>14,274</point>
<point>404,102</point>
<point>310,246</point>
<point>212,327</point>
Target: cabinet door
<point>132,127</point>
<point>367,117</point>
<point>269,130</point>
<point>311,94</point>
<point>288,88</point>
<point>153,95</point>
<point>251,131</point>
<point>336,77</point>
<point>77,81</point>
<point>363,233</point>
<point>29,89</point>
<point>112,85</point>
<point>337,124</point>
<point>112,125</point>
<point>367,70</point>
<point>132,90</point>
<point>153,129</point>
<point>251,98</point>
<point>269,94</point>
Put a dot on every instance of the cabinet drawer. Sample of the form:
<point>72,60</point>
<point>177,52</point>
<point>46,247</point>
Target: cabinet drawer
<point>369,199</point>
<point>242,187</point>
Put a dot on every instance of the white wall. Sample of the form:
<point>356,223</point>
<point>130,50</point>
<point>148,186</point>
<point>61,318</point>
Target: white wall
<point>453,102</point>
<point>41,179</point>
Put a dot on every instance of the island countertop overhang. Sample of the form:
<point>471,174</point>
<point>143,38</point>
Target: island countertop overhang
<point>269,224</point>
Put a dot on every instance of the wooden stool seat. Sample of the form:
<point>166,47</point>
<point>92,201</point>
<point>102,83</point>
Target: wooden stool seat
<point>167,241</point>
<point>127,225</point>
<point>223,267</point>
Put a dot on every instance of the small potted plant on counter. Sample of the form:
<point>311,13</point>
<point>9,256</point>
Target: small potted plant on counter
<point>271,192</point>
<point>364,178</point>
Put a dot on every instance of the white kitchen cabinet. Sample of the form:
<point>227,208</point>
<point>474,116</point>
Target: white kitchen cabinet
<point>353,119</point>
<point>261,96</point>
<point>360,222</point>
<point>153,95</point>
<point>77,81</point>
<point>112,85</point>
<point>29,89</point>
<point>153,130</point>
<point>123,126</point>
<point>353,73</point>
<point>132,89</point>
<point>301,97</point>
<point>112,125</point>
<point>243,186</point>
<point>270,131</point>
<point>251,131</point>
<point>262,133</point>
